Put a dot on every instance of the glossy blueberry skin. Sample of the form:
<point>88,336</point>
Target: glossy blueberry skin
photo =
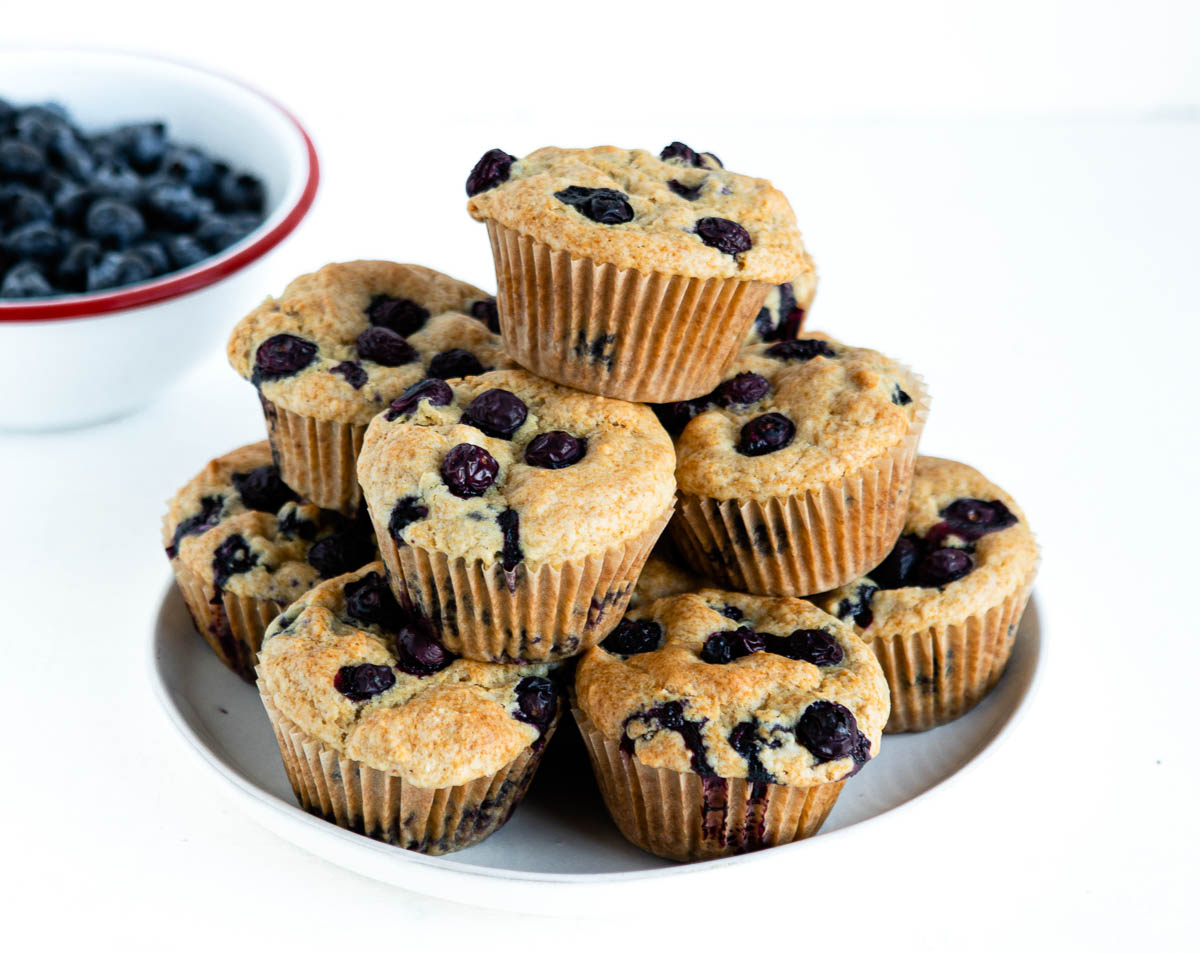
<point>418,652</point>
<point>436,392</point>
<point>468,470</point>
<point>971,518</point>
<point>498,413</point>
<point>555,450</point>
<point>723,235</point>
<point>362,682</point>
<point>828,730</point>
<point>741,390</point>
<point>807,645</point>
<point>942,566</point>
<point>114,224</point>
<point>537,702</point>
<point>491,170</point>
<point>765,434</point>
<point>603,206</point>
<point>384,346</point>
<point>721,648</point>
<point>633,636</point>
<point>282,356</point>
<point>370,601</point>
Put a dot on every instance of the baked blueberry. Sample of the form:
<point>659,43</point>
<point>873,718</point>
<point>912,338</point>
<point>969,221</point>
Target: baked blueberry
<point>676,415</point>
<point>281,356</point>
<point>807,645</point>
<point>633,636</point>
<point>677,150</point>
<point>828,730</point>
<point>691,193</point>
<point>765,434</point>
<point>384,346</point>
<point>900,397</point>
<point>537,702</point>
<point>732,612</point>
<point>741,390</point>
<point>352,371</point>
<point>800,349</point>
<point>491,169</point>
<point>340,552</point>
<point>456,362</point>
<point>436,392</point>
<point>487,312</point>
<point>370,600</point>
<point>858,606</point>
<point>510,531</point>
<point>361,682</point>
<point>398,314</point>
<point>263,489</point>
<point>468,470</point>
<point>604,206</point>
<point>721,648</point>
<point>208,517</point>
<point>723,235</point>
<point>498,413</point>
<point>942,566</point>
<point>231,557</point>
<point>407,510</point>
<point>971,519</point>
<point>418,652</point>
<point>897,568</point>
<point>555,450</point>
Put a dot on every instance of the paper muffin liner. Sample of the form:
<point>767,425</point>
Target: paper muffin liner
<point>682,816</point>
<point>316,458</point>
<point>232,625</point>
<point>939,673</point>
<point>811,542</point>
<point>520,617</point>
<point>385,807</point>
<point>640,336</point>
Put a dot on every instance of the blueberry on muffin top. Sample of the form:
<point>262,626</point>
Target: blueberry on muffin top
<point>343,342</point>
<point>506,467</point>
<point>352,669</point>
<point>678,214</point>
<point>965,547</point>
<point>790,416</point>
<point>237,526</point>
<point>736,686</point>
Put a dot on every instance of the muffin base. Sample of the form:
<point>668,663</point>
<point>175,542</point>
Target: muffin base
<point>640,336</point>
<point>384,807</point>
<point>938,674</point>
<point>486,614</point>
<point>232,625</point>
<point>808,543</point>
<point>682,816</point>
<point>316,458</point>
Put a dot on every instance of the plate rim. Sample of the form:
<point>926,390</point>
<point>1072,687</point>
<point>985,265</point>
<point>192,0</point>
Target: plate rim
<point>292,813</point>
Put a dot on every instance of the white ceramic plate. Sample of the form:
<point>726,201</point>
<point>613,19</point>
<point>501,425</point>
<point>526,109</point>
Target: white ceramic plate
<point>560,851</point>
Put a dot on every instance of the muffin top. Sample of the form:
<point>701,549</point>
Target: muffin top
<point>341,343</point>
<point>239,528</point>
<point>506,467</point>
<point>965,548</point>
<point>791,416</point>
<point>782,314</point>
<point>721,683</point>
<point>662,576</point>
<point>352,670</point>
<point>677,214</point>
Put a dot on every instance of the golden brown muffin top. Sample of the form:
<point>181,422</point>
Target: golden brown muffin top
<point>578,475</point>
<point>239,528</point>
<point>992,554</point>
<point>350,669</point>
<point>737,686</point>
<point>638,220</point>
<point>792,416</point>
<point>342,342</point>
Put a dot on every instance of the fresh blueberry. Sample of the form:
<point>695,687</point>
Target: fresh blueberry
<point>491,170</point>
<point>340,552</point>
<point>469,470</point>
<point>604,206</point>
<point>282,356</point>
<point>456,362</point>
<point>436,393</point>
<point>487,312</point>
<point>174,206</point>
<point>352,371</point>
<point>76,264</point>
<point>24,206</point>
<point>633,636</point>
<point>25,280</point>
<point>741,390</point>
<point>942,566</point>
<point>154,255</point>
<point>117,268</point>
<point>240,192</point>
<point>765,434</point>
<point>233,556</point>
<point>397,314</point>
<point>406,511</point>
<point>360,682</point>
<point>218,232</point>
<point>384,346</point>
<point>498,413</point>
<point>263,489</point>
<point>723,235</point>
<point>189,166</point>
<point>21,161</point>
<point>828,730</point>
<point>114,224</point>
<point>141,144</point>
<point>691,193</point>
<point>418,652</point>
<point>115,180</point>
<point>721,648</point>
<point>71,203</point>
<point>537,702</point>
<point>66,152</point>
<point>555,450</point>
<point>370,600</point>
<point>39,241</point>
<point>184,251</point>
<point>510,532</point>
<point>807,645</point>
<point>800,349</point>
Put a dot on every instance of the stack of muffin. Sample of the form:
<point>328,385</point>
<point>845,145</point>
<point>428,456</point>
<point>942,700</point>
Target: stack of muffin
<point>447,540</point>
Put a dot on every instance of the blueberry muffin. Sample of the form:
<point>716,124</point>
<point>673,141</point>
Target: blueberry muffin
<point>719,723</point>
<point>244,546</point>
<point>942,610</point>
<point>514,513</point>
<point>386,733</point>
<point>782,316</point>
<point>794,472</point>
<point>629,275</point>
<point>340,345</point>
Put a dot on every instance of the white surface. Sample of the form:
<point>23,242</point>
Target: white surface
<point>563,855</point>
<point>1040,274</point>
<point>145,349</point>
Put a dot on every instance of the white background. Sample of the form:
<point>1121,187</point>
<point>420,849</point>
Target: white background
<point>1002,195</point>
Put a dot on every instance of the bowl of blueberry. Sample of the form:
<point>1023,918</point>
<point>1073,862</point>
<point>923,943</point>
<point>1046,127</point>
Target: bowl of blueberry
<point>138,196</point>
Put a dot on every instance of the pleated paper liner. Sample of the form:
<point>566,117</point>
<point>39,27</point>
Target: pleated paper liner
<point>808,543</point>
<point>232,625</point>
<point>524,616</point>
<point>640,336</point>
<point>682,816</point>
<point>940,673</point>
<point>316,458</point>
<point>383,806</point>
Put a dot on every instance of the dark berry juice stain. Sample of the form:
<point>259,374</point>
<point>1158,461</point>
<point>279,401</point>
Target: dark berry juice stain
<point>232,557</point>
<point>746,741</point>
<point>208,517</point>
<point>436,392</point>
<point>401,315</point>
<point>263,489</point>
<point>282,356</point>
<point>352,372</point>
<point>714,809</point>
<point>491,170</point>
<point>633,636</point>
<point>361,682</point>
<point>800,349</point>
<point>596,351</point>
<point>407,510</point>
<point>498,413</point>
<point>510,529</point>
<point>603,206</point>
<point>858,606</point>
<point>669,717</point>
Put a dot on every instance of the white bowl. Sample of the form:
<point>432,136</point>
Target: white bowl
<point>78,359</point>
